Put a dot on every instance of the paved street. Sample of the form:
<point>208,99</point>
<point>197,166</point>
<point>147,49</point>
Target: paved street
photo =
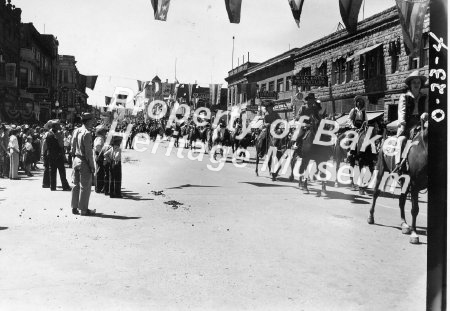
<point>235,242</point>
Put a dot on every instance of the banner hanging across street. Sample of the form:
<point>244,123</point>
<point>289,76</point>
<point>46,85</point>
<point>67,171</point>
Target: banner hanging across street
<point>296,8</point>
<point>412,14</point>
<point>234,10</point>
<point>349,12</point>
<point>160,9</point>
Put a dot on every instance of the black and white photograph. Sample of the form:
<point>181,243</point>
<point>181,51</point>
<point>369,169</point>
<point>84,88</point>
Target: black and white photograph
<point>223,155</point>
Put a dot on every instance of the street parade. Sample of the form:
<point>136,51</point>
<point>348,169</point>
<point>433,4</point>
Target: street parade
<point>302,183</point>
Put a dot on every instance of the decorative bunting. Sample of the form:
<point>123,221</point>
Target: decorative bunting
<point>412,14</point>
<point>349,13</point>
<point>296,8</point>
<point>234,10</point>
<point>160,8</point>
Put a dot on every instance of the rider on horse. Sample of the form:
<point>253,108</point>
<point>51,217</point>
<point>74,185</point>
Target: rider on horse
<point>269,118</point>
<point>412,108</point>
<point>357,115</point>
<point>311,108</point>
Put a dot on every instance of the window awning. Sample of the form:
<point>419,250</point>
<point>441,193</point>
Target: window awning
<point>363,51</point>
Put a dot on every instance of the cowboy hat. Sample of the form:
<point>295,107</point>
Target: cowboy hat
<point>100,128</point>
<point>310,96</point>
<point>50,123</point>
<point>87,116</point>
<point>415,75</point>
<point>359,98</point>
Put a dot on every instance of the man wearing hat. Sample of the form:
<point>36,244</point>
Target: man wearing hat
<point>311,108</point>
<point>412,107</point>
<point>357,115</point>
<point>54,146</point>
<point>83,166</point>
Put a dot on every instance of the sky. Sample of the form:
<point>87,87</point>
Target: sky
<point>121,42</point>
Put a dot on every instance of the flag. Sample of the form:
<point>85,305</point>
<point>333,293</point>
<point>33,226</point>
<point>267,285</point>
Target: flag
<point>160,9</point>
<point>296,8</point>
<point>190,86</point>
<point>349,13</point>
<point>142,85</point>
<point>108,100</point>
<point>412,14</point>
<point>214,93</point>
<point>90,81</point>
<point>234,10</point>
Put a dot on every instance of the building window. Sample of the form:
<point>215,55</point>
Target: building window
<point>280,85</point>
<point>60,76</point>
<point>424,57</point>
<point>272,86</point>
<point>372,64</point>
<point>288,83</point>
<point>263,87</point>
<point>31,76</point>
<point>338,71</point>
<point>23,78</point>
<point>350,66</point>
<point>66,76</point>
<point>322,69</point>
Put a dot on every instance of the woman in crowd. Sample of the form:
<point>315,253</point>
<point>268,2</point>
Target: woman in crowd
<point>13,155</point>
<point>3,151</point>
<point>99,143</point>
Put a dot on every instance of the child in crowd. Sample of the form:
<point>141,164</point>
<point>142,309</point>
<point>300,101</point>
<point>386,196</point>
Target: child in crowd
<point>113,162</point>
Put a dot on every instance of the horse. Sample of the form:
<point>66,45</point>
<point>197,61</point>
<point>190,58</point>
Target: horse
<point>417,158</point>
<point>204,134</point>
<point>193,135</point>
<point>310,151</point>
<point>241,143</point>
<point>263,143</point>
<point>221,136</point>
<point>364,157</point>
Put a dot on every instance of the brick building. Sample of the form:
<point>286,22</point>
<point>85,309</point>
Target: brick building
<point>71,94</point>
<point>10,18</point>
<point>38,72</point>
<point>371,62</point>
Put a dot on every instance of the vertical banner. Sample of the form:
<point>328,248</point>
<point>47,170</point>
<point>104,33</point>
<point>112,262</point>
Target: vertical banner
<point>349,13</point>
<point>190,92</point>
<point>160,9</point>
<point>214,94</point>
<point>234,10</point>
<point>412,14</point>
<point>296,8</point>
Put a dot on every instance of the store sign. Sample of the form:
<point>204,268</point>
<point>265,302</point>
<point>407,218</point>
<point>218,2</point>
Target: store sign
<point>310,80</point>
<point>252,108</point>
<point>268,95</point>
<point>283,107</point>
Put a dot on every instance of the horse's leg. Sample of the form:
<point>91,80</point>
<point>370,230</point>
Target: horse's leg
<point>257,162</point>
<point>376,194</point>
<point>414,238</point>
<point>293,161</point>
<point>406,229</point>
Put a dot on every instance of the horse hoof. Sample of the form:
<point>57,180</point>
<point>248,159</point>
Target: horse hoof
<point>361,192</point>
<point>414,240</point>
<point>370,220</point>
<point>291,178</point>
<point>319,194</point>
<point>406,229</point>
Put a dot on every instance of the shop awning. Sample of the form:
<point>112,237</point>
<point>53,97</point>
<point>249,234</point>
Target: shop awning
<point>363,51</point>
